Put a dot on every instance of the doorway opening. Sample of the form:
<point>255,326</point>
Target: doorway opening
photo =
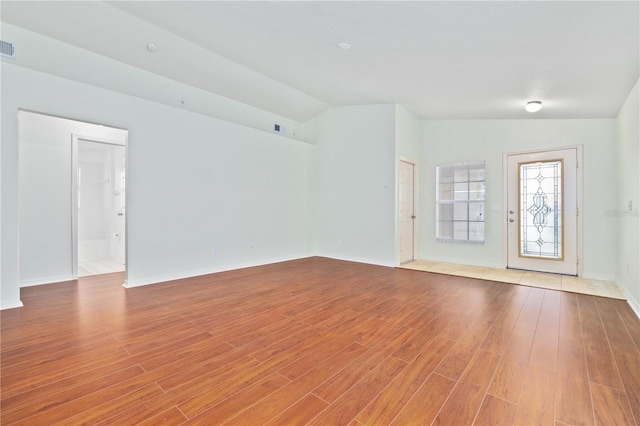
<point>48,195</point>
<point>99,188</point>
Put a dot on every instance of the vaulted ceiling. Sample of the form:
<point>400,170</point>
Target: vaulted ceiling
<point>438,59</point>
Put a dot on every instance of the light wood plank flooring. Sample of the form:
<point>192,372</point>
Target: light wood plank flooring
<point>317,341</point>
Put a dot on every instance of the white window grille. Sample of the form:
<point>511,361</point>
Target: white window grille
<point>460,190</point>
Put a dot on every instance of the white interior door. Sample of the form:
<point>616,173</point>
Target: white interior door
<point>407,211</point>
<point>542,224</point>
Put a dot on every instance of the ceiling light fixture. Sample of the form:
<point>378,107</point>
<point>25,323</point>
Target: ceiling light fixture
<point>152,47</point>
<point>344,46</point>
<point>533,106</point>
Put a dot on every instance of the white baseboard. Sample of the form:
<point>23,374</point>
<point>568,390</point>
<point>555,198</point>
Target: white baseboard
<point>634,304</point>
<point>357,260</point>
<point>10,304</point>
<point>157,279</point>
<point>47,280</point>
<point>597,276</point>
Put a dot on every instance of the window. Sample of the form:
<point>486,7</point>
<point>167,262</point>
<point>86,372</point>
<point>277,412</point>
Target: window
<point>460,202</point>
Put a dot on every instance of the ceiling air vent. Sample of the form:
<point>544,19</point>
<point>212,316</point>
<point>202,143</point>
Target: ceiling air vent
<point>7,50</point>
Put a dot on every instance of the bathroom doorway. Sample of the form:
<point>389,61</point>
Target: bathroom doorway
<point>48,197</point>
<point>99,188</point>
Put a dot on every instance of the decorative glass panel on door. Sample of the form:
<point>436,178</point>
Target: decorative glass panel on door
<point>541,209</point>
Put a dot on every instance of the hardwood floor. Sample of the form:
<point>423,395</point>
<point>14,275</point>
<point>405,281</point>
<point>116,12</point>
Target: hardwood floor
<point>318,341</point>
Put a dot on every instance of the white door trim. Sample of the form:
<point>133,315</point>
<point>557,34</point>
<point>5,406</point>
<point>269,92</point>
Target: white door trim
<point>579,201</point>
<point>75,139</point>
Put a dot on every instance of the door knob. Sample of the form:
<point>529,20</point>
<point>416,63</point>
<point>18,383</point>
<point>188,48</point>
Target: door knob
<point>511,211</point>
<point>511,220</point>
<point>119,214</point>
<point>413,216</point>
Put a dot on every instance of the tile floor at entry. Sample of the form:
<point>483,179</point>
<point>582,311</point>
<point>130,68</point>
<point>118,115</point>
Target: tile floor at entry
<point>528,278</point>
<point>98,267</point>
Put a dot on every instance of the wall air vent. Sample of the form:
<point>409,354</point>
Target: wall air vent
<point>7,49</point>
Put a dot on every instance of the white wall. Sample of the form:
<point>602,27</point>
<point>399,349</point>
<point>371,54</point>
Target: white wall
<point>54,57</point>
<point>9,240</point>
<point>408,135</point>
<point>81,98</point>
<point>45,193</point>
<point>99,199</point>
<point>355,183</point>
<point>628,189</point>
<point>92,223</point>
<point>407,139</point>
<point>204,175</point>
<point>195,183</point>
<point>452,141</point>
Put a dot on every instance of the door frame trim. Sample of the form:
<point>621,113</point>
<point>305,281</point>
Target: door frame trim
<point>579,202</point>
<point>75,139</point>
<point>415,209</point>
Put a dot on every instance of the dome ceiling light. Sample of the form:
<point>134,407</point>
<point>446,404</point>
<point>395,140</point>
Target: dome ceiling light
<point>533,106</point>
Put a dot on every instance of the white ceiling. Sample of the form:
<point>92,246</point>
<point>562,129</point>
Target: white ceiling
<point>448,59</point>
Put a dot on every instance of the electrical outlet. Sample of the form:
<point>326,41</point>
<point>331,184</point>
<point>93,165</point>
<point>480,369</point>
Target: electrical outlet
<point>250,246</point>
<point>214,251</point>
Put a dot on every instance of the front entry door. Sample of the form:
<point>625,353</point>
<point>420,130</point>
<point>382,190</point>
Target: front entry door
<point>542,211</point>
